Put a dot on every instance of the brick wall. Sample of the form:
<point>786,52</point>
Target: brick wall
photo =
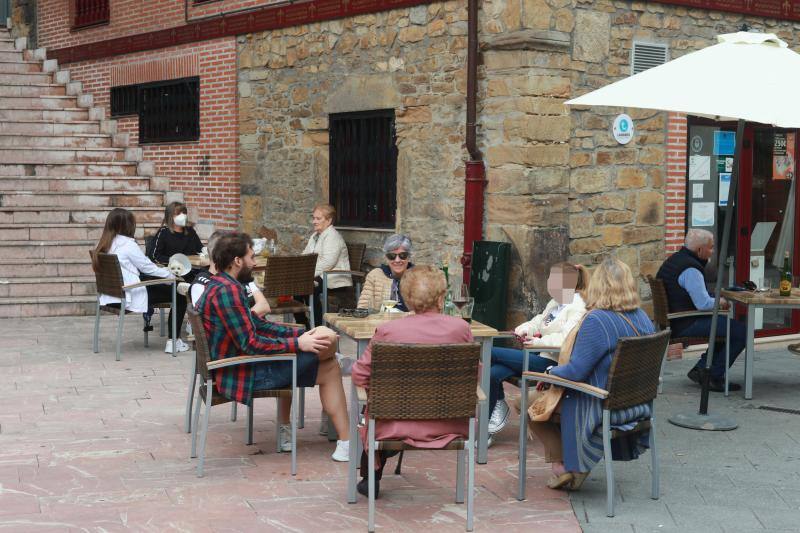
<point>206,171</point>
<point>675,199</point>
<point>128,17</point>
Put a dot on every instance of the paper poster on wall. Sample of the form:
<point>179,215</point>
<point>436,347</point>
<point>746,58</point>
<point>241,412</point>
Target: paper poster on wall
<point>783,156</point>
<point>724,142</point>
<point>703,214</point>
<point>699,168</point>
<point>697,190</point>
<point>728,164</point>
<point>724,187</point>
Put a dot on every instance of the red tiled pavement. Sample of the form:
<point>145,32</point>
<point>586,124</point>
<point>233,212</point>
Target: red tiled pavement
<point>90,444</point>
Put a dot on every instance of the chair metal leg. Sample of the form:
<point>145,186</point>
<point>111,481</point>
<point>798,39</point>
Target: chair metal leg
<point>278,401</point>
<point>357,287</point>
<point>354,440</point>
<point>96,339</point>
<point>324,298</point>
<point>174,318</point>
<point>249,439</point>
<point>234,407</point>
<point>371,475</point>
<point>661,371</point>
<point>198,405</point>
<point>187,419</point>
<point>460,476</point>
<point>209,400</point>
<point>471,475</point>
<point>312,318</point>
<point>163,322</point>
<point>655,493</point>
<point>523,439</point>
<point>607,459</point>
<point>293,417</point>
<point>301,423</point>
<point>119,330</point>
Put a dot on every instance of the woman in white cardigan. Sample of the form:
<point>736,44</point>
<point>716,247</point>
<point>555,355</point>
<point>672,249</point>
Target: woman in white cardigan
<point>117,239</point>
<point>567,285</point>
<point>331,252</point>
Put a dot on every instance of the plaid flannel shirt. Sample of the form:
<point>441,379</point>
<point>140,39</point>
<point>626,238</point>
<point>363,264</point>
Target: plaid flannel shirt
<point>232,330</point>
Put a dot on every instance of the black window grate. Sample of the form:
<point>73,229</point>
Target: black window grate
<point>90,12</point>
<point>124,100</point>
<point>363,168</point>
<point>169,111</point>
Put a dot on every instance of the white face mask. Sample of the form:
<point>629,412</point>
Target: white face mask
<point>180,220</point>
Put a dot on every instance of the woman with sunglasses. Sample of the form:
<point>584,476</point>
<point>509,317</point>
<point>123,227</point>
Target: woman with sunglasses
<point>383,283</point>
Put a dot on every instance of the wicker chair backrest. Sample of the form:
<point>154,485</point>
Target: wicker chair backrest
<point>108,276</point>
<point>202,352</point>
<point>660,305</point>
<point>355,253</point>
<point>423,382</point>
<point>289,275</point>
<point>635,369</point>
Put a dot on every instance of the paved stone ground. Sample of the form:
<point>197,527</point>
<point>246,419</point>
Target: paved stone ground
<point>747,480</point>
<point>90,444</point>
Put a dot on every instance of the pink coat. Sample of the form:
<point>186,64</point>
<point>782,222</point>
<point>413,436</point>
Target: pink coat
<point>426,328</point>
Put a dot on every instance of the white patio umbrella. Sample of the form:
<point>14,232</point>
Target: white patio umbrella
<point>699,83</point>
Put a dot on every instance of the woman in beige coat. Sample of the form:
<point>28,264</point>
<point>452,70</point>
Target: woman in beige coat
<point>383,283</point>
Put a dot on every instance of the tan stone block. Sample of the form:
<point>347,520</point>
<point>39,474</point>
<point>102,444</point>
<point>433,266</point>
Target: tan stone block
<point>636,235</point>
<point>590,180</point>
<point>580,159</point>
<point>651,155</point>
<point>527,210</point>
<point>410,115</point>
<point>411,34</point>
<point>650,208</point>
<point>497,87</point>
<point>536,85</point>
<point>616,217</point>
<point>656,177</point>
<point>538,128</point>
<point>565,21</point>
<point>536,155</point>
<point>650,20</point>
<point>630,257</point>
<point>592,36</point>
<point>631,177</point>
<point>585,246</point>
<point>604,158</point>
<point>606,201</point>
<point>581,225</point>
<point>533,105</point>
<point>536,14</point>
<point>649,268</point>
<point>251,212</point>
<point>437,27</point>
<point>512,14</point>
<point>612,235</point>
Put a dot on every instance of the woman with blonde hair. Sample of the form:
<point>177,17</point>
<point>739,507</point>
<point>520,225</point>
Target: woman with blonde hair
<point>567,286</point>
<point>573,441</point>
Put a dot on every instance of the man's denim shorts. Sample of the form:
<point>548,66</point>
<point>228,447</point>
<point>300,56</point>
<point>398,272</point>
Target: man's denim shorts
<point>278,375</point>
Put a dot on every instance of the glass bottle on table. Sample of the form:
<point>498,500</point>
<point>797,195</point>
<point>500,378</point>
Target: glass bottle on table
<point>786,276</point>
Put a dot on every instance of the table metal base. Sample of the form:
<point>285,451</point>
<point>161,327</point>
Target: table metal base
<point>700,422</point>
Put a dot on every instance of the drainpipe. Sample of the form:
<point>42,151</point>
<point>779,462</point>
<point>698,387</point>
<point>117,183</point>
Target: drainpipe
<point>475,173</point>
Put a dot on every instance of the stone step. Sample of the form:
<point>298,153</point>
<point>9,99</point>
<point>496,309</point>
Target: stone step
<point>7,45</point>
<point>48,306</point>
<point>32,89</point>
<point>68,183</point>
<point>58,249</point>
<point>44,155</point>
<point>72,215</point>
<point>50,286</point>
<point>38,102</point>
<point>52,115</point>
<point>110,168</point>
<point>45,232</point>
<point>77,140</point>
<point>47,127</point>
<point>19,67</point>
<point>10,55</point>
<point>20,268</point>
<point>28,77</point>
<point>87,199</point>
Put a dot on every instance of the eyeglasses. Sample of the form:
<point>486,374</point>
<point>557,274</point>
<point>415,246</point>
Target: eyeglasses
<point>355,313</point>
<point>749,285</point>
<point>402,255</point>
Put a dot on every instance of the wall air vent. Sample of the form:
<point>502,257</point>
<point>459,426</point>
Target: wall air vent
<point>648,55</point>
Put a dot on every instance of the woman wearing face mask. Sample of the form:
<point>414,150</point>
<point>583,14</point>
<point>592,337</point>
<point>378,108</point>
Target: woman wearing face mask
<point>176,236</point>
<point>567,286</point>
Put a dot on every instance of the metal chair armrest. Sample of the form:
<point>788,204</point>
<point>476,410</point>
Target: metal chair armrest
<point>351,272</point>
<point>289,324</point>
<point>248,359</point>
<point>161,281</point>
<point>361,394</point>
<point>529,346</point>
<point>689,314</point>
<point>505,335</point>
<point>567,384</point>
<point>481,395</point>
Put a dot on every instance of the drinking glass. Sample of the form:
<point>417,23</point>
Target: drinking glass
<point>764,285</point>
<point>388,305</point>
<point>466,309</point>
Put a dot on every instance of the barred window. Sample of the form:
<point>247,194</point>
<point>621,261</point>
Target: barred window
<point>363,168</point>
<point>169,111</point>
<point>90,13</point>
<point>124,100</point>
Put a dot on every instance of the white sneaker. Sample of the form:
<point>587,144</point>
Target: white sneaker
<point>342,453</point>
<point>188,328</point>
<point>285,436</point>
<point>499,417</point>
<point>180,346</point>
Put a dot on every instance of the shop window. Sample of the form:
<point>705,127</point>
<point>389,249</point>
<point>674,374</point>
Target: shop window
<point>363,168</point>
<point>645,56</point>
<point>90,13</point>
<point>124,100</point>
<point>169,111</point>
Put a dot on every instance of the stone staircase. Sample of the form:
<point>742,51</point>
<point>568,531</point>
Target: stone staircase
<point>63,167</point>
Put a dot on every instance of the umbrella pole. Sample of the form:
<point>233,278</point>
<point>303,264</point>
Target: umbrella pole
<point>702,420</point>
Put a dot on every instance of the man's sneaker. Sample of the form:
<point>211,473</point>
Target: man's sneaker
<point>147,326</point>
<point>695,375</point>
<point>342,453</point>
<point>180,346</point>
<point>499,417</point>
<point>285,436</point>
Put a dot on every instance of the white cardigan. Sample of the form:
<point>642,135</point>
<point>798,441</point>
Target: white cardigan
<point>554,333</point>
<point>332,254</point>
<point>132,261</point>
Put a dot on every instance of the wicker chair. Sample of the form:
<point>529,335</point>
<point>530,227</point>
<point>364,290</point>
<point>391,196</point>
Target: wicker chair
<point>662,315</point>
<point>109,281</point>
<point>206,395</point>
<point>632,380</point>
<point>423,382</point>
<point>356,252</point>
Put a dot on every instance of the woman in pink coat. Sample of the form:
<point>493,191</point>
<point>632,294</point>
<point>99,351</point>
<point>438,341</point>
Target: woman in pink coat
<point>423,290</point>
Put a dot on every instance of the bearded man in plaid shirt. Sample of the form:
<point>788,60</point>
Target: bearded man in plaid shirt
<point>233,330</point>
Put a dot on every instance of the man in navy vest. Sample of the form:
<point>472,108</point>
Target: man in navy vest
<point>682,274</point>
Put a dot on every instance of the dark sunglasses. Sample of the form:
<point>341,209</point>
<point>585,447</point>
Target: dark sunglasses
<point>355,313</point>
<point>402,255</point>
<point>749,285</point>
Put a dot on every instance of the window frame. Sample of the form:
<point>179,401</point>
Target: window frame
<point>142,110</point>
<point>89,23</point>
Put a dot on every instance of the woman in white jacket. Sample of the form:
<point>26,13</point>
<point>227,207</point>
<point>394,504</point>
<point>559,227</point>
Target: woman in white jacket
<point>117,239</point>
<point>567,285</point>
